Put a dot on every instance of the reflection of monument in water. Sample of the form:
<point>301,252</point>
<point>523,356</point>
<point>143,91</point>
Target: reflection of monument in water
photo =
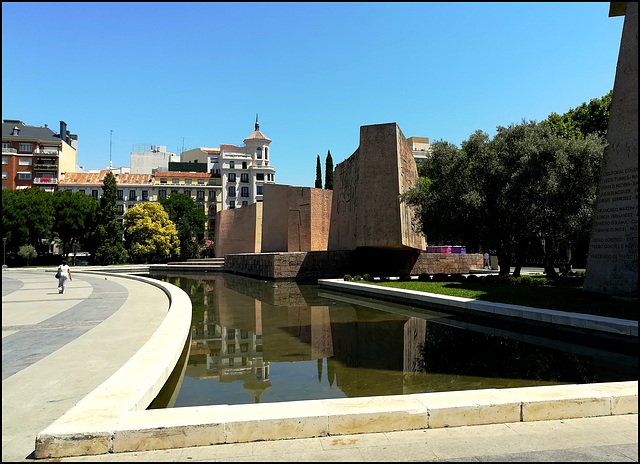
<point>239,336</point>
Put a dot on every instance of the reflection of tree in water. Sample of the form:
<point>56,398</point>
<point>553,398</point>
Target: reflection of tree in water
<point>445,351</point>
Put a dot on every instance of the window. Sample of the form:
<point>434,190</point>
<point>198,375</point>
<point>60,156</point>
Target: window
<point>212,196</point>
<point>120,195</point>
<point>25,161</point>
<point>187,181</point>
<point>175,181</point>
<point>24,176</point>
<point>244,347</point>
<point>187,193</point>
<point>244,192</point>
<point>94,194</point>
<point>245,203</point>
<point>163,180</point>
<point>244,165</point>
<point>120,209</point>
<point>5,160</point>
<point>266,152</point>
<point>6,145</point>
<point>244,177</point>
<point>244,333</point>
<point>259,190</point>
<point>26,147</point>
<point>200,181</point>
<point>231,349</point>
<point>259,153</point>
<point>162,193</point>
<point>200,194</point>
<point>259,176</point>
<point>232,204</point>
<point>232,164</point>
<point>173,191</point>
<point>132,195</point>
<point>145,195</point>
<point>232,191</point>
<point>231,334</point>
<point>4,175</point>
<point>212,182</point>
<point>232,177</point>
<point>81,190</point>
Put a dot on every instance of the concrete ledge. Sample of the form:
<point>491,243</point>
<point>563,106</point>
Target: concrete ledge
<point>413,297</point>
<point>87,427</point>
<point>210,425</point>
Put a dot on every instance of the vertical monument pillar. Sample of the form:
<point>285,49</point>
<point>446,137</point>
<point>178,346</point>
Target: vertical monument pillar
<point>612,264</point>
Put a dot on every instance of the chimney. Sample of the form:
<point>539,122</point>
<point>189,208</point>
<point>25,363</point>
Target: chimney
<point>63,131</point>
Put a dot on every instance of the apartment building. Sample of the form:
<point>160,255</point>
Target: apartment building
<point>420,147</point>
<point>36,156</point>
<point>147,159</point>
<point>243,170</point>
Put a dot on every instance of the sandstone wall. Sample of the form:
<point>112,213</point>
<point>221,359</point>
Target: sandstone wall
<point>239,230</point>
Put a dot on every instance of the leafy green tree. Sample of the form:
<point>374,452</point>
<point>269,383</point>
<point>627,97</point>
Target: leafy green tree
<point>328,172</point>
<point>507,193</point>
<point>75,218</point>
<point>27,252</point>
<point>588,118</point>
<point>318,174</point>
<point>149,233</point>
<point>27,217</point>
<point>189,220</point>
<point>106,245</point>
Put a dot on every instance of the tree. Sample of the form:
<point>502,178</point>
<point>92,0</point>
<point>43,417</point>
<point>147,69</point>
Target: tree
<point>74,219</point>
<point>591,118</point>
<point>328,172</point>
<point>27,217</point>
<point>149,233</point>
<point>27,252</point>
<point>318,174</point>
<point>189,221</point>
<point>107,247</point>
<point>504,194</point>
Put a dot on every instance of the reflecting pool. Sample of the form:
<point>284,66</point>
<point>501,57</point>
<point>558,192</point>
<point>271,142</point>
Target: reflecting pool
<point>264,341</point>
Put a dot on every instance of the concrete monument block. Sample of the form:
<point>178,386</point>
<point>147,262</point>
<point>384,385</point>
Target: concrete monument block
<point>295,218</point>
<point>612,264</point>
<point>365,209</point>
<point>239,230</point>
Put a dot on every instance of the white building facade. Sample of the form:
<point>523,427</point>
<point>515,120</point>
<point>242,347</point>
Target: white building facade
<point>243,170</point>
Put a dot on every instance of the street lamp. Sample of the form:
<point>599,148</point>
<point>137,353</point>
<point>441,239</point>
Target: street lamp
<point>4,243</point>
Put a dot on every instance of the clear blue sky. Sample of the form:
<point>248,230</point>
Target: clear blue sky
<point>161,73</point>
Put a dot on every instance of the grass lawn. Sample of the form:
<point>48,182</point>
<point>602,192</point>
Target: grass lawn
<point>571,299</point>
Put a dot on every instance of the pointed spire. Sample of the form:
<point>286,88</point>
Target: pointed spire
<point>257,125</point>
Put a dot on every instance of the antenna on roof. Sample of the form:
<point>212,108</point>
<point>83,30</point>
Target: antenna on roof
<point>110,143</point>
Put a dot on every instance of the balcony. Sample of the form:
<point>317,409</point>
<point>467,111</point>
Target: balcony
<point>46,151</point>
<point>46,167</point>
<point>46,180</point>
<point>9,150</point>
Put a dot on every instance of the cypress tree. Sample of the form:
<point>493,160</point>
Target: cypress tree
<point>328,172</point>
<point>318,174</point>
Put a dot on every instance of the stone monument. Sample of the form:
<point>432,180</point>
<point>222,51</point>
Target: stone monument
<point>366,213</point>
<point>612,263</point>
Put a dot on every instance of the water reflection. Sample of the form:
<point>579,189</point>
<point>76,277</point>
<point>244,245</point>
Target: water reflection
<point>264,341</point>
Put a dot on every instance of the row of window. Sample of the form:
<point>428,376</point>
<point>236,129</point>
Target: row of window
<point>244,191</point>
<point>186,181</point>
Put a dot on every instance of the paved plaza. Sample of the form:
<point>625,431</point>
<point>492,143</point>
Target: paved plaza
<point>57,348</point>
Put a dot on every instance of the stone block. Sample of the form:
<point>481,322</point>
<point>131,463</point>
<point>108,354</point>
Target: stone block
<point>375,414</point>
<point>562,402</point>
<point>239,230</point>
<point>365,210</point>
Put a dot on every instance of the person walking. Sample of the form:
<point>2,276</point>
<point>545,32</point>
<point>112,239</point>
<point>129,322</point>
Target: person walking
<point>486,261</point>
<point>64,272</point>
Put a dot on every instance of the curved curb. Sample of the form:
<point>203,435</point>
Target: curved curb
<point>87,427</point>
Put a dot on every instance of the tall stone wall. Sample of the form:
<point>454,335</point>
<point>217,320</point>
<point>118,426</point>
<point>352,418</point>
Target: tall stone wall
<point>612,264</point>
<point>295,218</point>
<point>239,230</point>
<point>365,209</point>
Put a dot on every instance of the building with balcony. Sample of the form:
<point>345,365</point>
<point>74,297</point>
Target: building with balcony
<point>243,170</point>
<point>36,156</point>
<point>420,147</point>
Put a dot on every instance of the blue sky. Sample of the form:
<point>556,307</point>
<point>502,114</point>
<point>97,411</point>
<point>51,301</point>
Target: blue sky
<point>196,74</point>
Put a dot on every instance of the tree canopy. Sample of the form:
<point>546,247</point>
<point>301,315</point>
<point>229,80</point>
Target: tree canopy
<point>74,219</point>
<point>318,184</point>
<point>149,233</point>
<point>189,220</point>
<point>328,172</point>
<point>106,243</point>
<point>27,217</point>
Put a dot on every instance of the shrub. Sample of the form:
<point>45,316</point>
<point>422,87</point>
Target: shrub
<point>507,279</point>
<point>540,281</point>
<point>525,280</point>
<point>367,278</point>
<point>27,252</point>
<point>490,279</point>
<point>473,278</point>
<point>357,278</point>
<point>384,278</point>
<point>440,277</point>
<point>405,277</point>
<point>348,278</point>
<point>424,277</point>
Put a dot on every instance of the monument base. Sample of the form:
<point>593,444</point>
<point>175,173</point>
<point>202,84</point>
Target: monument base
<point>313,265</point>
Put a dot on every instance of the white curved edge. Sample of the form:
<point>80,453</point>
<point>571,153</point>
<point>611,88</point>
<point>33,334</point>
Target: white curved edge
<point>132,387</point>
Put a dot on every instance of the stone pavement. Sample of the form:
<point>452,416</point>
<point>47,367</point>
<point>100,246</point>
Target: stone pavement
<point>58,348</point>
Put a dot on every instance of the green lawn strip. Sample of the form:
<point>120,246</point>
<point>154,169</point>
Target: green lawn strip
<point>570,299</point>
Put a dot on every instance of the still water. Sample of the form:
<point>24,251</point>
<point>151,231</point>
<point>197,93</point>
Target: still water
<point>263,341</point>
